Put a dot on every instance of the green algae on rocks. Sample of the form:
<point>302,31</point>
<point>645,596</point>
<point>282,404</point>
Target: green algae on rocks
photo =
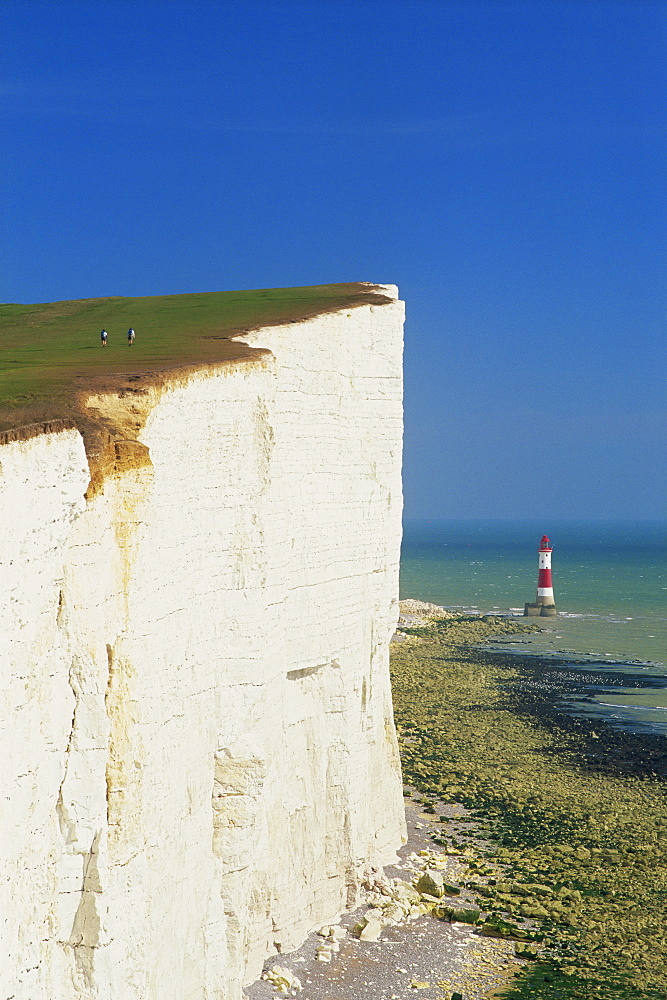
<point>584,852</point>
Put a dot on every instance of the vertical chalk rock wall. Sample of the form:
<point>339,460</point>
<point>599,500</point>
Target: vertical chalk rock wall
<point>198,753</point>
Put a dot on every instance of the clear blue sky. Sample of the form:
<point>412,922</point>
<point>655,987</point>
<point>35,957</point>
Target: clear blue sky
<point>502,162</point>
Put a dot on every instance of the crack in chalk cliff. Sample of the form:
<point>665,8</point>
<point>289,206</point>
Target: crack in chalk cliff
<point>66,822</point>
<point>85,936</point>
<point>128,860</point>
<point>264,444</point>
<point>123,790</point>
<point>325,583</point>
<point>107,695</point>
<point>238,782</point>
<point>133,491</point>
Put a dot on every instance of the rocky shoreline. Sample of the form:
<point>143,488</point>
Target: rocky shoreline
<point>542,837</point>
<point>541,685</point>
<point>578,813</point>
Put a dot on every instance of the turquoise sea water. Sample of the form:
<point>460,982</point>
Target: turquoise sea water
<point>610,588</point>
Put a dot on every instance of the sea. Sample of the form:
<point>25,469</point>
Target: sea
<point>610,588</point>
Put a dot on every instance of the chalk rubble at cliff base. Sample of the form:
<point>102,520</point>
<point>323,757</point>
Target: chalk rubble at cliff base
<point>404,939</point>
<point>196,711</point>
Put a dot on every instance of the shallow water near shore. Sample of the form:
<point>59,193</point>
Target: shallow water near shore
<point>610,585</point>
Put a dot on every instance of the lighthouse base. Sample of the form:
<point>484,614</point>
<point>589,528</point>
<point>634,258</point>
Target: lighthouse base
<point>539,610</point>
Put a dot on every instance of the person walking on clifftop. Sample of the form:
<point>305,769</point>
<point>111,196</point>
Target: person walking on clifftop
<point>130,337</point>
<point>103,338</point>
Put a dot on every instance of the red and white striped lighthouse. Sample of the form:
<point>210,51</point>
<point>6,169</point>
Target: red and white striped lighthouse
<point>544,603</point>
<point>545,587</point>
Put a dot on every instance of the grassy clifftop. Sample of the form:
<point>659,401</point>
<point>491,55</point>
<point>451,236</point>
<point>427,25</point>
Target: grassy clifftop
<point>50,354</point>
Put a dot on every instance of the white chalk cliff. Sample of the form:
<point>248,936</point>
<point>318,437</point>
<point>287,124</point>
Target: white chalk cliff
<point>198,752</point>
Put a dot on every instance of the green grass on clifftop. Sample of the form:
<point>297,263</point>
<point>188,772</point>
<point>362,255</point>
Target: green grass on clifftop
<point>51,351</point>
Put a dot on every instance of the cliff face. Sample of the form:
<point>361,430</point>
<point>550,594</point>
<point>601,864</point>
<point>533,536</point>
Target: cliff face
<point>199,758</point>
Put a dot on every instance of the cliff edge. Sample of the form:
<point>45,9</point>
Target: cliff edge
<point>199,756</point>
